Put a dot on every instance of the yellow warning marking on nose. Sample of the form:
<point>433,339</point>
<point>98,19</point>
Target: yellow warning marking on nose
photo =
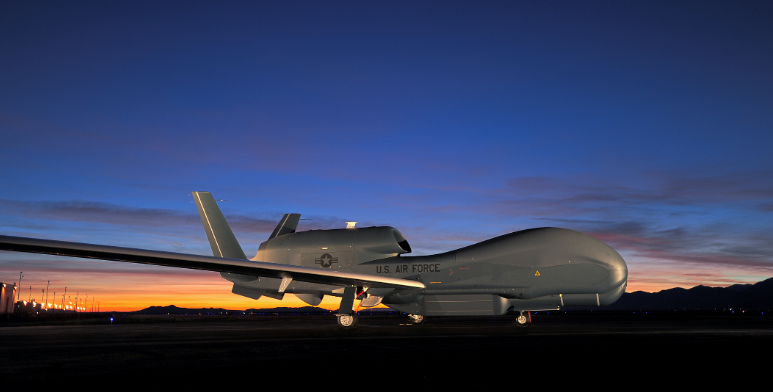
<point>537,274</point>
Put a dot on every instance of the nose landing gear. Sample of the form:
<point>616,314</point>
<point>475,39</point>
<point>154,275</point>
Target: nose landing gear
<point>416,319</point>
<point>523,319</point>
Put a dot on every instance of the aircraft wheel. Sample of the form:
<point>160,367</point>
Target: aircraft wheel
<point>521,320</point>
<point>416,319</point>
<point>347,320</point>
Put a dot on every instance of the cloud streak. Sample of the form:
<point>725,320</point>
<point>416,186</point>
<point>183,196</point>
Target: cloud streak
<point>97,212</point>
<point>113,214</point>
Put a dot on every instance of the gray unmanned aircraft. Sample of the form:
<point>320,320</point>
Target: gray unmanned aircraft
<point>529,270</point>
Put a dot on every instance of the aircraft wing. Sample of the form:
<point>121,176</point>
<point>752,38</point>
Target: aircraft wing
<point>208,263</point>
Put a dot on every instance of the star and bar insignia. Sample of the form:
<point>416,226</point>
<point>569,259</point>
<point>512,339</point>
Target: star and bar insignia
<point>326,260</point>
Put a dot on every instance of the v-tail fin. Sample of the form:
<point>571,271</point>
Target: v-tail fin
<point>287,225</point>
<point>219,234</point>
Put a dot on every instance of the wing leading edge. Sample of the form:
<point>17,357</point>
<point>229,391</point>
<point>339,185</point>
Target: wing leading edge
<point>208,263</point>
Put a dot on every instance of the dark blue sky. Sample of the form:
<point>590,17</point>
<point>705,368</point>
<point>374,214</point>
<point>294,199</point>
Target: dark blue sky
<point>646,124</point>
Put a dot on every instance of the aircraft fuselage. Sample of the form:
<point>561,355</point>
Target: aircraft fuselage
<point>527,270</point>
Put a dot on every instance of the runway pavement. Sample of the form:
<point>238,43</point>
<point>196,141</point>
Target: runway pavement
<point>442,350</point>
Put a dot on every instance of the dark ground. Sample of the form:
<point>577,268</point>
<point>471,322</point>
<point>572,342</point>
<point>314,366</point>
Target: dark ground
<point>598,347</point>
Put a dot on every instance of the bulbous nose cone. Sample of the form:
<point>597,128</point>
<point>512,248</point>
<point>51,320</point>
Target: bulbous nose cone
<point>618,270</point>
<point>617,280</point>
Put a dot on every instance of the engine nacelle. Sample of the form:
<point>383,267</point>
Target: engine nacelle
<point>334,249</point>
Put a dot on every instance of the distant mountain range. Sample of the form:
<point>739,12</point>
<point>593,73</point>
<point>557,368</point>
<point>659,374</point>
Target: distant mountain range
<point>171,309</point>
<point>738,296</point>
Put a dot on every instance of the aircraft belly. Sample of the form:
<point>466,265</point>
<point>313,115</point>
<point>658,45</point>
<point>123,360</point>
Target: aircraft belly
<point>480,304</point>
<point>295,287</point>
<point>547,302</point>
<point>474,305</point>
<point>410,308</point>
<point>303,287</point>
<point>462,305</point>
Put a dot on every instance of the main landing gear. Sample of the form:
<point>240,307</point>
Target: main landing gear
<point>416,319</point>
<point>347,320</point>
<point>346,315</point>
<point>523,319</point>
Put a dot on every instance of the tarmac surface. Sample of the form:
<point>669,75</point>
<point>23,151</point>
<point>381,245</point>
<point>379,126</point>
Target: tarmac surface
<point>192,349</point>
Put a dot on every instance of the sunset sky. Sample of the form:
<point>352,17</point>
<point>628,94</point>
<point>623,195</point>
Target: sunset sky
<point>646,124</point>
